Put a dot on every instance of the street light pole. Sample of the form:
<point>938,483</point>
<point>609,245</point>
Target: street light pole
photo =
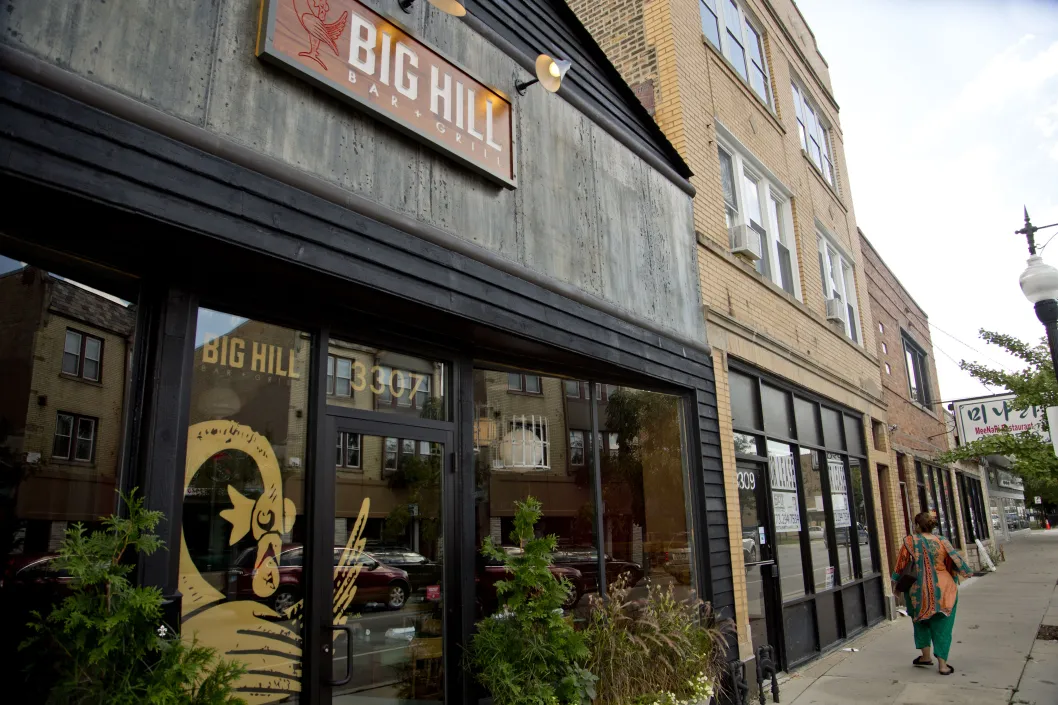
<point>1039,282</point>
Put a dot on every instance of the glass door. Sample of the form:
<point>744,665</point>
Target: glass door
<point>758,552</point>
<point>384,523</point>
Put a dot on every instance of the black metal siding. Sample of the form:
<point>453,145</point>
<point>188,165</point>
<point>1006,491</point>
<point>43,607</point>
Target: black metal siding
<point>549,27</point>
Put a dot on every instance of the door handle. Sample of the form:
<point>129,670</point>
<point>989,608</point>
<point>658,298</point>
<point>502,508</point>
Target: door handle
<point>348,629</point>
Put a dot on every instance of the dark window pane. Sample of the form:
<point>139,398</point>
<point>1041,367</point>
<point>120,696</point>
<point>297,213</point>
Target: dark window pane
<point>572,388</point>
<point>832,428</point>
<point>777,418</point>
<point>807,422</point>
<point>745,406</point>
<point>63,436</point>
<point>854,434</point>
<point>785,268</point>
<point>514,382</point>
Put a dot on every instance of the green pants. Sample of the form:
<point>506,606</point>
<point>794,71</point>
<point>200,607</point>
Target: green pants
<point>936,631</point>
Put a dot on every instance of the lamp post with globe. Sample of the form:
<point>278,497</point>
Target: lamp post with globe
<point>1039,283</point>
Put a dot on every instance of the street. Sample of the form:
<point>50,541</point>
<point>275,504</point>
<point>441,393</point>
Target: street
<point>995,653</point>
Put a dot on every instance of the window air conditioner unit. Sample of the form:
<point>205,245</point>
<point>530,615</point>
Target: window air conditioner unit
<point>836,310</point>
<point>745,242</point>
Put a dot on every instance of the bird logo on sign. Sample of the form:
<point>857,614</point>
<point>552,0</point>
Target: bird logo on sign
<point>320,31</point>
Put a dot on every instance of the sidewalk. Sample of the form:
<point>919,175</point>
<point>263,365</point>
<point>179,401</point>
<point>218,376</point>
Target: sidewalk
<point>997,658</point>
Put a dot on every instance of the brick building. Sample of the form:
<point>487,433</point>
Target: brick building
<point>63,371</point>
<point>741,90</point>
<point>919,428</point>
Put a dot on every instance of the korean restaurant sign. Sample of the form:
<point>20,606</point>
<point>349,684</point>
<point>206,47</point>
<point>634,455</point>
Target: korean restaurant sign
<point>987,416</point>
<point>365,59</point>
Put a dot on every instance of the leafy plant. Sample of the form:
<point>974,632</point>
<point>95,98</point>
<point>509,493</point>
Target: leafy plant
<point>114,647</point>
<point>1033,385</point>
<point>659,650</point>
<point>528,653</point>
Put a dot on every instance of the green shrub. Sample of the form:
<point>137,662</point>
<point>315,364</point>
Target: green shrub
<point>528,653</point>
<point>113,647</point>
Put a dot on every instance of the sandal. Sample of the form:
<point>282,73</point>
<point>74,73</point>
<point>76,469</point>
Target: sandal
<point>919,662</point>
<point>950,671</point>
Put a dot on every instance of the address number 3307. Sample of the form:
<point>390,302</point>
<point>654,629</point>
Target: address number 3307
<point>397,382</point>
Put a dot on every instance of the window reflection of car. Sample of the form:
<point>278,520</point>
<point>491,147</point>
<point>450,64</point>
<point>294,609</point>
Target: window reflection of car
<point>843,535</point>
<point>677,562</point>
<point>749,545</point>
<point>490,571</point>
<point>816,533</point>
<point>422,572</point>
<point>377,583</point>
<point>586,560</point>
<point>34,582</point>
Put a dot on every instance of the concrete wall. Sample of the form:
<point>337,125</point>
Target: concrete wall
<point>587,211</point>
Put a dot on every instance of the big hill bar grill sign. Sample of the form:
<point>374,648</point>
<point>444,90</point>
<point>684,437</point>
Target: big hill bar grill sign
<point>353,52</point>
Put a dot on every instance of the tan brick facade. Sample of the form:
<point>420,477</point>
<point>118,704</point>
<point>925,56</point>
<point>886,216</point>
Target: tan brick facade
<point>701,99</point>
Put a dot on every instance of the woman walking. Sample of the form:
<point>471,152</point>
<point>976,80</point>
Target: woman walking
<point>935,593</point>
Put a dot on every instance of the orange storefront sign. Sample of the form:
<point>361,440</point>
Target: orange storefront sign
<point>368,60</point>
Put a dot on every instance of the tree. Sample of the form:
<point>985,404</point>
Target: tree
<point>1034,385</point>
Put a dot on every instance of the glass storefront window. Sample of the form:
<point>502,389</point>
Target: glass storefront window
<point>537,444</point>
<point>788,523</point>
<point>860,488</point>
<point>243,523</point>
<point>65,349</point>
<point>644,490</point>
<point>541,444</point>
<point>370,379</point>
<point>847,537</point>
<point>811,480</point>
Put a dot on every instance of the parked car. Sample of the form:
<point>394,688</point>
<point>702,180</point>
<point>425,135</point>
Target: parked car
<point>677,562</point>
<point>586,560</point>
<point>489,572</point>
<point>422,572</point>
<point>377,583</point>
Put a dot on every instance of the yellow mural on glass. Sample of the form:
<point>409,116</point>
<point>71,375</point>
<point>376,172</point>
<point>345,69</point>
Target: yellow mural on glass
<point>269,643</point>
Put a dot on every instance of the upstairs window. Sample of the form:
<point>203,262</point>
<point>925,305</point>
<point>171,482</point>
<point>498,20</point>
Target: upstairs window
<point>814,133</point>
<point>754,201</point>
<point>82,355</point>
<point>521,382</point>
<point>917,372</point>
<point>839,282</point>
<point>729,29</point>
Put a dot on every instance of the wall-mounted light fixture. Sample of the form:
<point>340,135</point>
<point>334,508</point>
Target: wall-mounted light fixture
<point>452,7</point>
<point>549,74</point>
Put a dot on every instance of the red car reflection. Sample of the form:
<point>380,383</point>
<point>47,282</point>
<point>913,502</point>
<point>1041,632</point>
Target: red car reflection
<point>377,583</point>
<point>490,572</point>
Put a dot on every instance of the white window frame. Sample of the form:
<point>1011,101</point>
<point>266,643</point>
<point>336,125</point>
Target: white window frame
<point>343,447</point>
<point>843,287</point>
<point>718,11</point>
<point>745,166</point>
<point>814,131</point>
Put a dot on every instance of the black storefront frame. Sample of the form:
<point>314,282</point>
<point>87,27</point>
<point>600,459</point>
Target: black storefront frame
<point>855,591</point>
<point>88,166</point>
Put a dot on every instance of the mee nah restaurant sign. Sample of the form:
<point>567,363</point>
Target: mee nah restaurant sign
<point>355,53</point>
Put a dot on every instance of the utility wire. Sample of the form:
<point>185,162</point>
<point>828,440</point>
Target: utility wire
<point>1005,366</point>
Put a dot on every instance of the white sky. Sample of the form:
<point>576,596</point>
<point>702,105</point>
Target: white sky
<point>949,112</point>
